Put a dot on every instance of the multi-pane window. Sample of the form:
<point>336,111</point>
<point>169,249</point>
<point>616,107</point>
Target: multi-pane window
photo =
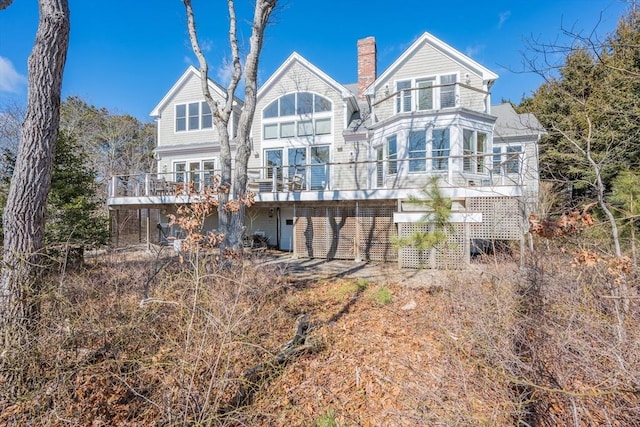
<point>207,117</point>
<point>313,112</point>
<point>319,160</point>
<point>425,93</point>
<point>512,164</point>
<point>474,147</point>
<point>497,160</point>
<point>403,96</point>
<point>181,118</point>
<point>392,154</point>
<point>421,95</point>
<point>273,161</point>
<point>440,149</point>
<point>417,150</point>
<point>295,164</point>
<point>195,171</point>
<point>193,116</point>
<point>447,91</point>
<point>507,159</point>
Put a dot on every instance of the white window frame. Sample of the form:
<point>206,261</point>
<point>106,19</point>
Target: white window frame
<point>437,159</point>
<point>185,120</point>
<point>305,124</point>
<point>411,95</point>
<point>474,156</point>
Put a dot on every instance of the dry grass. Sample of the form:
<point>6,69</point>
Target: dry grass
<point>497,346</point>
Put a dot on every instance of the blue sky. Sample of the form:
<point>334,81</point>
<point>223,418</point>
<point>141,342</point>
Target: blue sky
<point>125,55</point>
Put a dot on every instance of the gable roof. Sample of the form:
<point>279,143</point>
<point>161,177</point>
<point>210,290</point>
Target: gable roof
<point>296,57</point>
<point>442,47</point>
<point>191,71</point>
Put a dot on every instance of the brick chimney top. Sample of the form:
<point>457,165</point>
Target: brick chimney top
<point>367,64</point>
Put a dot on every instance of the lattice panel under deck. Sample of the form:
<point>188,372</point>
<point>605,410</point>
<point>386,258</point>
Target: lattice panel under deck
<point>376,232</point>
<point>341,232</point>
<point>451,254</point>
<point>331,232</point>
<point>454,253</point>
<point>410,257</point>
<point>501,218</point>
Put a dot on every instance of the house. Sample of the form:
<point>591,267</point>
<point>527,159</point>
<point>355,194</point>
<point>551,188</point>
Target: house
<point>333,166</point>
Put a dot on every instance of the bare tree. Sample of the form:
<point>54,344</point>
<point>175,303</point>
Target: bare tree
<point>231,207</point>
<point>23,218</point>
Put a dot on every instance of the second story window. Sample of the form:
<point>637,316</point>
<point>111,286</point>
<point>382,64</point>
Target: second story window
<point>448,91</point>
<point>300,114</point>
<point>193,116</point>
<point>403,96</point>
<point>426,93</point>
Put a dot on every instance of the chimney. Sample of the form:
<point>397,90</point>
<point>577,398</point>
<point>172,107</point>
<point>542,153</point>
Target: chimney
<point>367,64</point>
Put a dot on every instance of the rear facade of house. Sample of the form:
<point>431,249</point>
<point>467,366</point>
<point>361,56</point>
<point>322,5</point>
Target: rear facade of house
<point>333,166</point>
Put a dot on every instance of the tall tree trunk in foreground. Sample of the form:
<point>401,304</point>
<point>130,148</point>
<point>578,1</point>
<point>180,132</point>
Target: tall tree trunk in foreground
<point>232,202</point>
<point>23,219</point>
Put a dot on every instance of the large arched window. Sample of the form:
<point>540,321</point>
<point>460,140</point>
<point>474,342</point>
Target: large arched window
<point>300,114</point>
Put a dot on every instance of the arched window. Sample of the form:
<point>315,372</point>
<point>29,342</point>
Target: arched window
<point>300,114</point>
<point>299,103</point>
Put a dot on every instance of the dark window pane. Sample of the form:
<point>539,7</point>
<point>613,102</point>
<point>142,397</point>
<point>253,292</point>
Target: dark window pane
<point>305,103</point>
<point>287,105</point>
<point>270,110</point>
<point>322,104</point>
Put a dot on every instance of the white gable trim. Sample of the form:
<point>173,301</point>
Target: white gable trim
<point>459,57</point>
<point>191,71</point>
<point>296,57</point>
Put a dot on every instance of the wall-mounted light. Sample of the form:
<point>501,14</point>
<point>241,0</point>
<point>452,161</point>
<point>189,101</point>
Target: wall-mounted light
<point>467,79</point>
<point>386,89</point>
<point>352,156</point>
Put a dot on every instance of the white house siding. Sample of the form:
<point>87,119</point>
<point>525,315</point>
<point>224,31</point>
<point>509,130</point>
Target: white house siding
<point>425,62</point>
<point>299,78</point>
<point>264,221</point>
<point>194,145</point>
<point>191,91</point>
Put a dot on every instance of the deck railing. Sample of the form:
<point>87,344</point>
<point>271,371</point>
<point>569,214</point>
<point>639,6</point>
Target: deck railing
<point>414,173</point>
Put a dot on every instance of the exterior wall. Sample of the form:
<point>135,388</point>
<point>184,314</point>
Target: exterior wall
<point>190,91</point>
<point>262,221</point>
<point>298,78</point>
<point>426,62</point>
<point>456,121</point>
<point>529,176</point>
<point>192,145</point>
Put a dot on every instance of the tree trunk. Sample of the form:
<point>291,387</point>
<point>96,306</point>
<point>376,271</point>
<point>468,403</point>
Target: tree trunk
<point>23,218</point>
<point>234,183</point>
